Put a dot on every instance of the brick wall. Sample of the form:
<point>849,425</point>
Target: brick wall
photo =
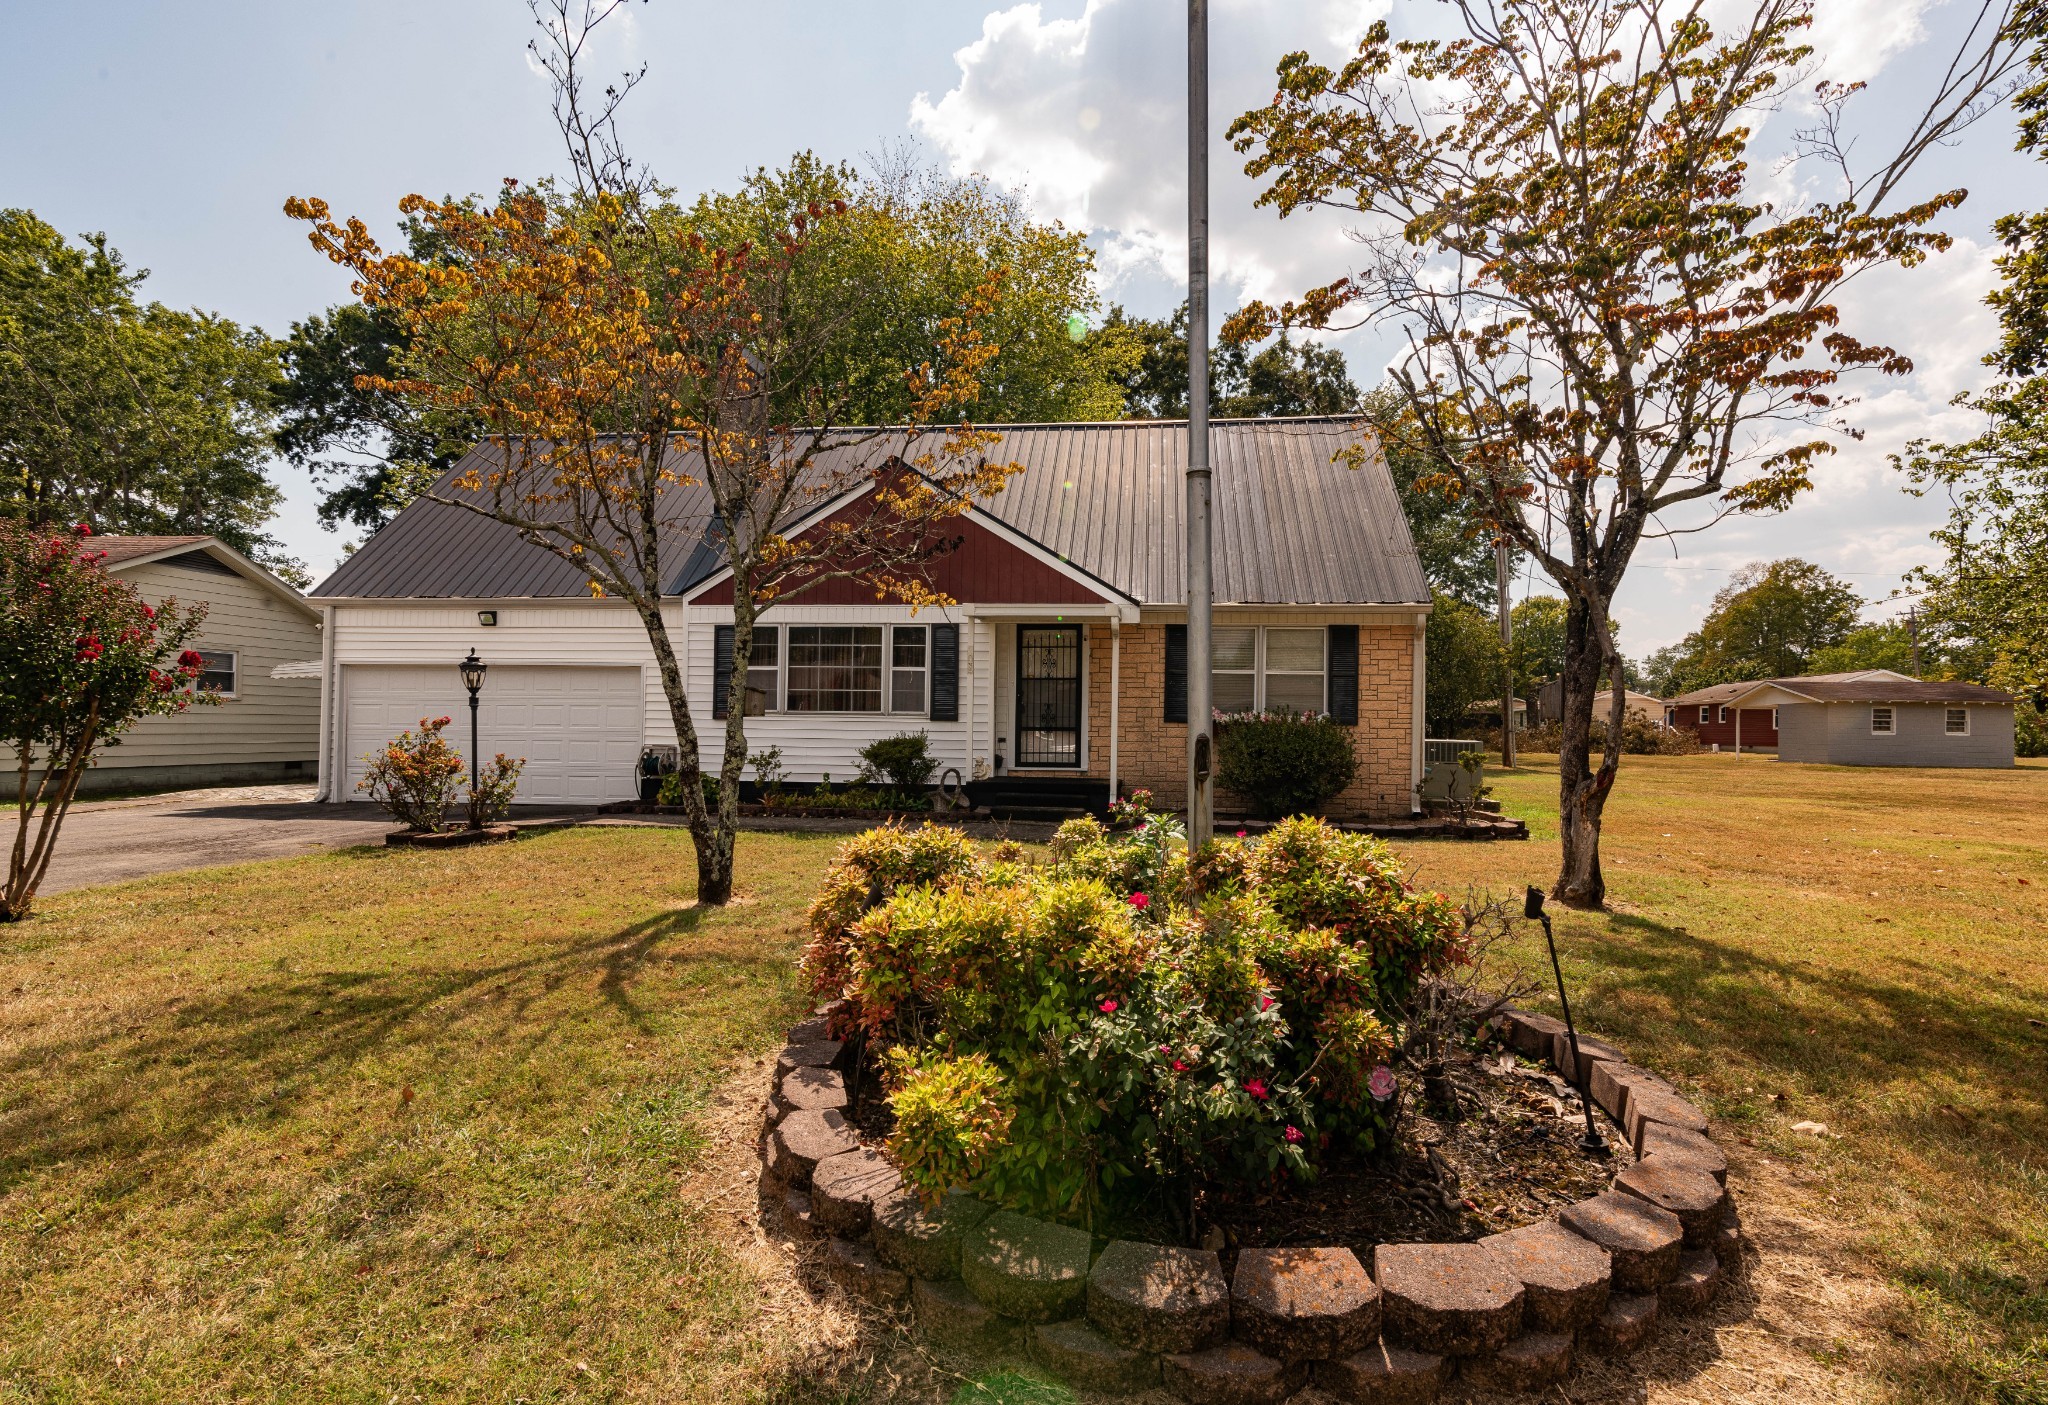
<point>1152,751</point>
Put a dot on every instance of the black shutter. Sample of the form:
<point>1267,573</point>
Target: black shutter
<point>945,673</point>
<point>1176,673</point>
<point>1344,674</point>
<point>721,669</point>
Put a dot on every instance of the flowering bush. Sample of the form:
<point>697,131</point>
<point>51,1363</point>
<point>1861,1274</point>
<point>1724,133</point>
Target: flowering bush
<point>83,657</point>
<point>496,784</point>
<point>415,776</point>
<point>1284,763</point>
<point>1087,1033</point>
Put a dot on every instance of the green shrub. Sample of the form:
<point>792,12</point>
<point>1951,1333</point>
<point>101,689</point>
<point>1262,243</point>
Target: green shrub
<point>415,776</point>
<point>1638,738</point>
<point>2030,730</point>
<point>904,761</point>
<point>1284,763</point>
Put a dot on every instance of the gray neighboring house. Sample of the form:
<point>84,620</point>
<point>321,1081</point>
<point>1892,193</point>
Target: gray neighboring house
<point>1884,719</point>
<point>261,640</point>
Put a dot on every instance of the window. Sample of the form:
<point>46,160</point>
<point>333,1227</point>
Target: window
<point>217,673</point>
<point>1257,669</point>
<point>908,664</point>
<point>834,668</point>
<point>1880,721</point>
<point>764,669</point>
<point>1724,714</point>
<point>1956,722</point>
<point>1706,715</point>
<point>1774,719</point>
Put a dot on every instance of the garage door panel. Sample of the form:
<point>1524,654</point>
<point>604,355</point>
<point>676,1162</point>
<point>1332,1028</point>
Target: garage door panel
<point>580,729</point>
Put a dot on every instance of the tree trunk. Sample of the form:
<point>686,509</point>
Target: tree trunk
<point>712,841</point>
<point>1582,787</point>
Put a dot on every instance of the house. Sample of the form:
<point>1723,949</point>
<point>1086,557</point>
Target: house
<point>261,642</point>
<point>1550,704</point>
<point>1871,718</point>
<point>1061,668</point>
<point>1714,715</point>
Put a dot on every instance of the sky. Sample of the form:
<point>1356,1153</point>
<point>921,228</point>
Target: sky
<point>180,130</point>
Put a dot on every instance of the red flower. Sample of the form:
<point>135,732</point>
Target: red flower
<point>1179,1067</point>
<point>1139,901</point>
<point>1256,1087</point>
<point>89,648</point>
<point>1293,1135</point>
<point>1265,1002</point>
<point>1240,834</point>
<point>81,529</point>
<point>1108,1007</point>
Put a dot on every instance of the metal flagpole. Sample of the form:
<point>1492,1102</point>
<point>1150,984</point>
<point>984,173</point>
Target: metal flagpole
<point>1507,654</point>
<point>1201,789</point>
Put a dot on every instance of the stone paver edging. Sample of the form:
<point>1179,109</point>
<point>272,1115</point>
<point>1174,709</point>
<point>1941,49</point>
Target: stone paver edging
<point>1509,1312</point>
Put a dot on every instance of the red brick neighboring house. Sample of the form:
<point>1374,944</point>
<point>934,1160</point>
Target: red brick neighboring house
<point>1711,713</point>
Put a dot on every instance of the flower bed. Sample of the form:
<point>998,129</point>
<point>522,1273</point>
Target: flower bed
<point>1083,1060</point>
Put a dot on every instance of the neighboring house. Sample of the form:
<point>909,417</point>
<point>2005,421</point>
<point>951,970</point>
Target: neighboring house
<point>1715,716</point>
<point>261,641</point>
<point>1872,718</point>
<point>1062,666</point>
<point>1550,704</point>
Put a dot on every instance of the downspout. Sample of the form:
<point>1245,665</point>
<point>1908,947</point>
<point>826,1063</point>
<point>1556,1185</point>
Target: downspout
<point>1116,695</point>
<point>327,683</point>
<point>1415,708</point>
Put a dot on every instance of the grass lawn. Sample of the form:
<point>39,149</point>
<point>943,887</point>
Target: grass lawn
<point>386,1126</point>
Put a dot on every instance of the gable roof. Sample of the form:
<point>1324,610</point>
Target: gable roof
<point>1292,525</point>
<point>1870,685</point>
<point>210,553</point>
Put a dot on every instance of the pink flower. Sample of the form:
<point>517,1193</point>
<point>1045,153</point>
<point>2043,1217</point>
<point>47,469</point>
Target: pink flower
<point>1108,1007</point>
<point>1265,1002</point>
<point>1292,1134</point>
<point>1256,1087</point>
<point>1240,834</point>
<point>1141,826</point>
<point>1139,901</point>
<point>1382,1083</point>
<point>1179,1067</point>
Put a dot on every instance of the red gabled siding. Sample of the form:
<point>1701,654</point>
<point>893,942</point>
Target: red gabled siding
<point>983,568</point>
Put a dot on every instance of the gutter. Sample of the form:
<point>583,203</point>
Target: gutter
<point>327,686</point>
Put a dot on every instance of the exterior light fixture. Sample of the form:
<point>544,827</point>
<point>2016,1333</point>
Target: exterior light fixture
<point>1593,1144</point>
<point>473,670</point>
<point>487,618</point>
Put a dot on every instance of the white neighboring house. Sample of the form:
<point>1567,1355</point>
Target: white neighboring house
<point>261,640</point>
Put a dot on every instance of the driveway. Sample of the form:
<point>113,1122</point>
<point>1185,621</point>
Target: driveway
<point>109,841</point>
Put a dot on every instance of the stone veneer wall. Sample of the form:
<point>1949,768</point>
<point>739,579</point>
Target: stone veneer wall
<point>1509,1312</point>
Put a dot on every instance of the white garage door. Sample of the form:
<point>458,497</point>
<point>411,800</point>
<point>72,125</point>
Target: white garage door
<point>578,728</point>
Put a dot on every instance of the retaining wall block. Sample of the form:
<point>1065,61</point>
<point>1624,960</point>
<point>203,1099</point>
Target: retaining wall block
<point>954,1318</point>
<point>1693,1287</point>
<point>1155,1298</point>
<point>803,1139</point>
<point>846,1188</point>
<point>1449,1299</point>
<point>1623,1325</point>
<point>1384,1374</point>
<point>1694,1150</point>
<point>853,1266</point>
<point>1083,1357</point>
<point>1025,1268</point>
<point>1302,1304</point>
<point>1530,1362</point>
<point>810,1090</point>
<point>1565,1278</point>
<point>925,1243</point>
<point>1231,1374</point>
<point>1643,1239</point>
<point>1694,1196</point>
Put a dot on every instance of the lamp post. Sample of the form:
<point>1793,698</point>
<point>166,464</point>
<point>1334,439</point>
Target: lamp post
<point>1593,1144</point>
<point>473,669</point>
<point>1201,592</point>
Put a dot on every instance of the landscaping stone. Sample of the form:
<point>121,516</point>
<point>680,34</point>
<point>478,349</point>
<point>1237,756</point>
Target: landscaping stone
<point>823,1053</point>
<point>955,1318</point>
<point>815,1030</point>
<point>1383,1374</point>
<point>1694,1150</point>
<point>854,1267</point>
<point>845,1189</point>
<point>1081,1356</point>
<point>1694,1196</point>
<point>1151,1297</point>
<point>1529,1362</point>
<point>1592,1050</point>
<point>1698,1279</point>
<point>926,1243</point>
<point>1648,1106</point>
<point>1231,1374</point>
<point>1623,1324</point>
<point>1304,1304</point>
<point>810,1090</point>
<point>1565,1278</point>
<point>1643,1239</point>
<point>803,1139</point>
<point>1450,1299</point>
<point>1612,1082</point>
<point>1728,1234</point>
<point>1531,1034</point>
<point>1026,1268</point>
<point>796,1209</point>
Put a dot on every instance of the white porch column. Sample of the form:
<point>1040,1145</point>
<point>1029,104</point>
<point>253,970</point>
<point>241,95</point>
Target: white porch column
<point>1116,694</point>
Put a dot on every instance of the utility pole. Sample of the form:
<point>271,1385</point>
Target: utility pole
<point>1913,633</point>
<point>1507,655</point>
<point>1201,746</point>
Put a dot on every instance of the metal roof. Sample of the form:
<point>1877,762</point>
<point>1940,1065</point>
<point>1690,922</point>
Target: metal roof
<point>1877,685</point>
<point>1292,524</point>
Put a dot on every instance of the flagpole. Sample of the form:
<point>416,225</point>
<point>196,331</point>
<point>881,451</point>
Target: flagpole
<point>1201,759</point>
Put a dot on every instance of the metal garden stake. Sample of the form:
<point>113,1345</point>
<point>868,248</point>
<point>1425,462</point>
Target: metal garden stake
<point>1593,1144</point>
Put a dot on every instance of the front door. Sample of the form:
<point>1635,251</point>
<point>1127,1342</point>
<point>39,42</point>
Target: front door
<point>1048,695</point>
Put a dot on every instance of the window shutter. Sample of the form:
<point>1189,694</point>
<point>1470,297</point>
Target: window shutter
<point>1176,673</point>
<point>721,669</point>
<point>945,673</point>
<point>1344,674</point>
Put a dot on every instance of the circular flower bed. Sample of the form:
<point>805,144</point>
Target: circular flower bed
<point>1043,1103</point>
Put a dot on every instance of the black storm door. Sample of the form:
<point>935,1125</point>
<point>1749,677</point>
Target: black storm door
<point>1049,695</point>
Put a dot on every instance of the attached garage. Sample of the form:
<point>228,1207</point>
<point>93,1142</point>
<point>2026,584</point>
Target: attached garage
<point>579,727</point>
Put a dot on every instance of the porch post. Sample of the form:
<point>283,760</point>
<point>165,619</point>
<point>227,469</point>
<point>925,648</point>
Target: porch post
<point>1116,693</point>
<point>1738,728</point>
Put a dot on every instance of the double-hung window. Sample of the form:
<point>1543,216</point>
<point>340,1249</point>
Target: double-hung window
<point>856,668</point>
<point>216,673</point>
<point>1269,669</point>
<point>764,671</point>
<point>1706,714</point>
<point>1724,714</point>
<point>1881,721</point>
<point>1955,721</point>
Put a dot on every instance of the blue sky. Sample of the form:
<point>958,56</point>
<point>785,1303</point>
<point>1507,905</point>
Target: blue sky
<point>180,129</point>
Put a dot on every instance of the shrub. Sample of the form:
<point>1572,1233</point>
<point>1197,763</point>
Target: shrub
<point>1638,738</point>
<point>415,776</point>
<point>496,784</point>
<point>1284,763</point>
<point>2030,730</point>
<point>904,761</point>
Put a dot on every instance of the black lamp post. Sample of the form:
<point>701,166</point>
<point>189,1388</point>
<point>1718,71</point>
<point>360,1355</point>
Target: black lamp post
<point>473,669</point>
<point>1593,1144</point>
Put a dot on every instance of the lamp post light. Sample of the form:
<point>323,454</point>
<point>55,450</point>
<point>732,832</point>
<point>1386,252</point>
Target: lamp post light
<point>1593,1144</point>
<point>473,670</point>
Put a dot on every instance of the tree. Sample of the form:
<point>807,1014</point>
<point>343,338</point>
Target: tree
<point>1606,324</point>
<point>1886,644</point>
<point>136,418</point>
<point>83,657</point>
<point>1453,542</point>
<point>1538,628</point>
<point>1768,622</point>
<point>650,380</point>
<point>1462,644</point>
<point>1147,362</point>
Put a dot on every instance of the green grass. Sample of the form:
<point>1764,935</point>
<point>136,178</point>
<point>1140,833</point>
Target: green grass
<point>1862,948</point>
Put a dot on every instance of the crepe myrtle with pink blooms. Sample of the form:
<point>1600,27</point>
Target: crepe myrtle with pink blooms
<point>83,658</point>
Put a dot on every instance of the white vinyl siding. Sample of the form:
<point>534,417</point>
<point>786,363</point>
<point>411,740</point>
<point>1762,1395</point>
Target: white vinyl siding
<point>1956,722</point>
<point>1882,722</point>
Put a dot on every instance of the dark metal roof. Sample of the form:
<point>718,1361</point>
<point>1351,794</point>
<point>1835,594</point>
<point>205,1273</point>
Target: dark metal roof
<point>1292,525</point>
<point>1869,686</point>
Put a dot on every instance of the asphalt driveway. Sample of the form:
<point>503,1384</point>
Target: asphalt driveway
<point>112,840</point>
